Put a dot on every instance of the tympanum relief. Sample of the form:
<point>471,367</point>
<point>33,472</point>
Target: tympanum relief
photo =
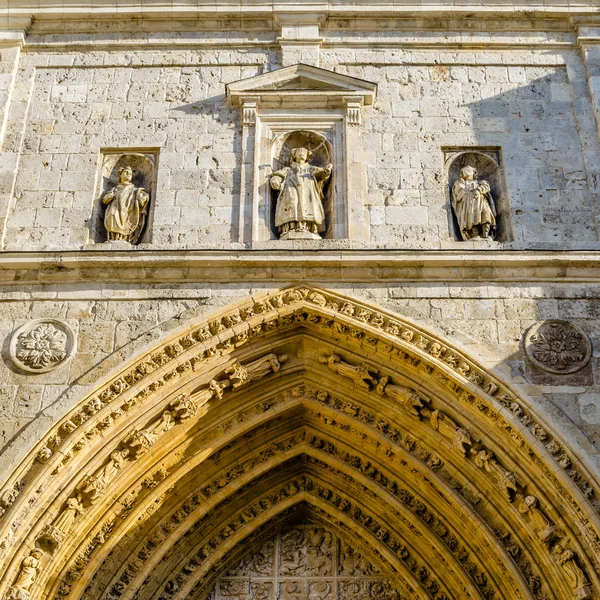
<point>306,562</point>
<point>299,212</point>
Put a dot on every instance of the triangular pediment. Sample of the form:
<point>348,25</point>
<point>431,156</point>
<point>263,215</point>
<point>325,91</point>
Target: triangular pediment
<point>300,82</point>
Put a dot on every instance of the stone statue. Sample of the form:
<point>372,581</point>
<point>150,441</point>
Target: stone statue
<point>362,375</point>
<point>240,375</point>
<point>567,559</point>
<point>407,398</point>
<point>127,207</point>
<point>30,567</point>
<point>473,206</point>
<point>140,442</point>
<point>54,534</point>
<point>299,212</point>
<point>96,484</point>
<point>185,408</point>
<point>546,531</point>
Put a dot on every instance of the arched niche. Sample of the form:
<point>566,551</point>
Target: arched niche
<point>303,403</point>
<point>488,162</point>
<point>322,155</point>
<point>145,168</point>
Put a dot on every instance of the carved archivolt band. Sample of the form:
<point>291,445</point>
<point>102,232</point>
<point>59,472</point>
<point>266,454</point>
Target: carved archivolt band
<point>138,419</point>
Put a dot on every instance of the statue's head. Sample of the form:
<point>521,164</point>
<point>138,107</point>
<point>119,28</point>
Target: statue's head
<point>125,174</point>
<point>37,553</point>
<point>300,155</point>
<point>468,172</point>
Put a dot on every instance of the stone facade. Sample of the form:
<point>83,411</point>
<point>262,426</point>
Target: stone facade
<point>141,457</point>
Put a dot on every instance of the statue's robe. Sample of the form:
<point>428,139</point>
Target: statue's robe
<point>126,212</point>
<point>473,207</point>
<point>301,195</point>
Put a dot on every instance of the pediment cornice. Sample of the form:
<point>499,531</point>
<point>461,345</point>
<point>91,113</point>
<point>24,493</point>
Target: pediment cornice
<point>297,83</point>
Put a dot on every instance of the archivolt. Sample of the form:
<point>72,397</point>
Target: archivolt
<point>301,405</point>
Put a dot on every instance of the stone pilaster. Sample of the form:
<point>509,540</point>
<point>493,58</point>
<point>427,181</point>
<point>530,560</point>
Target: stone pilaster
<point>300,41</point>
<point>10,50</point>
<point>588,37</point>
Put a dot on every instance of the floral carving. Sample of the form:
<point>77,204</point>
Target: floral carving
<point>40,346</point>
<point>558,347</point>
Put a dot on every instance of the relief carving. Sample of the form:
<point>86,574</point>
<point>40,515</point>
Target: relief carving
<point>41,346</point>
<point>557,347</point>
<point>30,568</point>
<point>310,564</point>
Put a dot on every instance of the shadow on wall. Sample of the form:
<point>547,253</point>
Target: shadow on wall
<point>543,131</point>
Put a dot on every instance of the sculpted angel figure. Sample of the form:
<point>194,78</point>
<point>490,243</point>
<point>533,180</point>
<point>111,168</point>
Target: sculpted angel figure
<point>125,215</point>
<point>299,211</point>
<point>473,205</point>
<point>30,567</point>
<point>362,375</point>
<point>66,519</point>
<point>243,374</point>
<point>96,484</point>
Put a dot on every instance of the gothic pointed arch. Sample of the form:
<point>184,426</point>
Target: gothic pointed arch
<point>292,408</point>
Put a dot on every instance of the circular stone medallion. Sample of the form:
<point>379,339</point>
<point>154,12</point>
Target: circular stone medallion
<point>41,346</point>
<point>558,346</point>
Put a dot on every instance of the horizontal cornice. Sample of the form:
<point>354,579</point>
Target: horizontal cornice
<point>369,266</point>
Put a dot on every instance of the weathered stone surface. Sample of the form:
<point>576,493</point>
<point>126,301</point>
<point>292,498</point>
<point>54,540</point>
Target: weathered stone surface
<point>195,445</point>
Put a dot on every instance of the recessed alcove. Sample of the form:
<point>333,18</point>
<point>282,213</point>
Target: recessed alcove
<point>488,163</point>
<point>144,164</point>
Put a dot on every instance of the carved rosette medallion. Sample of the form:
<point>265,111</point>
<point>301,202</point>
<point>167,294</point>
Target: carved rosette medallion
<point>558,347</point>
<point>42,345</point>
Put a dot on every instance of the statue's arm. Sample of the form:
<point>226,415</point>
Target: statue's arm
<point>322,172</point>
<point>276,180</point>
<point>484,187</point>
<point>109,196</point>
<point>143,197</point>
<point>458,191</point>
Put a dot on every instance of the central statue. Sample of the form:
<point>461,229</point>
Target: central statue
<point>299,213</point>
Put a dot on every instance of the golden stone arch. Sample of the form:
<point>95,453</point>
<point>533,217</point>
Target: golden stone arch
<point>301,406</point>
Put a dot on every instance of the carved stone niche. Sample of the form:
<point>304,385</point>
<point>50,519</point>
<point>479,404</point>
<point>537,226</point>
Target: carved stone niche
<point>295,107</point>
<point>320,149</point>
<point>487,161</point>
<point>144,165</point>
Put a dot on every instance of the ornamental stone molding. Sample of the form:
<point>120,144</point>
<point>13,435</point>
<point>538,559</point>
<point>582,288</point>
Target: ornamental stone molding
<point>558,347</point>
<point>42,345</point>
<point>300,408</point>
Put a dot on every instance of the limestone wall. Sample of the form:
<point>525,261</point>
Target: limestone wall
<point>115,322</point>
<point>526,89</point>
<point>530,101</point>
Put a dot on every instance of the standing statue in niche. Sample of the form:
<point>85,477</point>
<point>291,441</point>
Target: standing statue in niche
<point>127,207</point>
<point>299,213</point>
<point>473,206</point>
